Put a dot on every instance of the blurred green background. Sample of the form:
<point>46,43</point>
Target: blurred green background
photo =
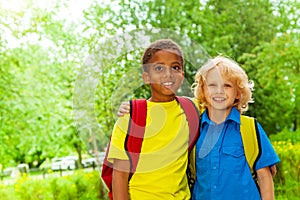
<point>45,48</point>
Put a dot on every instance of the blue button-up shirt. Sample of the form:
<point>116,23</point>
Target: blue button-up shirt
<point>221,166</point>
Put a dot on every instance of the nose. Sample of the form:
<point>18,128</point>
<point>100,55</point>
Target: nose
<point>220,89</point>
<point>168,72</point>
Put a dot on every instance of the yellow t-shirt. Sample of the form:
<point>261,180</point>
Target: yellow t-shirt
<point>161,169</point>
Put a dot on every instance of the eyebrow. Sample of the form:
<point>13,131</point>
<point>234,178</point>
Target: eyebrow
<point>164,63</point>
<point>158,63</point>
<point>177,63</point>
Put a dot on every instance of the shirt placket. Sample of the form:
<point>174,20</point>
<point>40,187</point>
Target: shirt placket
<point>215,162</point>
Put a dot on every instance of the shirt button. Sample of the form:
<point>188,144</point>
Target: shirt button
<point>214,167</point>
<point>214,187</point>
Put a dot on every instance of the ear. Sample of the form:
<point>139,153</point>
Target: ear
<point>182,77</point>
<point>146,77</point>
<point>238,95</point>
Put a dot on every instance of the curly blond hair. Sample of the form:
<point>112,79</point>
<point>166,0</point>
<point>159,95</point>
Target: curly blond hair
<point>232,71</point>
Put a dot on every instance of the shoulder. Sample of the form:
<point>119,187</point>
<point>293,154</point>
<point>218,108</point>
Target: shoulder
<point>121,124</point>
<point>260,132</point>
<point>196,103</point>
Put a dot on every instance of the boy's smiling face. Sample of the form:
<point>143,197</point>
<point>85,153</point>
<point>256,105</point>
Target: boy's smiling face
<point>220,92</point>
<point>165,75</point>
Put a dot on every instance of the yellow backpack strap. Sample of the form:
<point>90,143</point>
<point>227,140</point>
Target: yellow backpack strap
<point>191,170</point>
<point>251,141</point>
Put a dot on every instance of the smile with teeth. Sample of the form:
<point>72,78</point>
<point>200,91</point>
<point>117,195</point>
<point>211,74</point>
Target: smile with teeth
<point>219,99</point>
<point>168,84</point>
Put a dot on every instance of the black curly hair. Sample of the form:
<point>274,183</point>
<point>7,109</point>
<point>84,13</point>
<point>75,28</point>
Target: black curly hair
<point>158,45</point>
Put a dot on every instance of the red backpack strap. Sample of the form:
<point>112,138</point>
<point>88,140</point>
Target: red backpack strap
<point>135,132</point>
<point>193,118</point>
<point>106,173</point>
<point>132,144</point>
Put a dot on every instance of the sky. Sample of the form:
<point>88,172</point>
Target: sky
<point>72,13</point>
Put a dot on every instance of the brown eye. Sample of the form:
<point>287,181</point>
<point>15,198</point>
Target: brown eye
<point>227,85</point>
<point>158,68</point>
<point>176,68</point>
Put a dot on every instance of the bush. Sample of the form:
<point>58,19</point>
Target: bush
<point>287,179</point>
<point>287,135</point>
<point>77,186</point>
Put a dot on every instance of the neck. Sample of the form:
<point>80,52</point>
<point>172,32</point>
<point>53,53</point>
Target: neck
<point>218,116</point>
<point>162,99</point>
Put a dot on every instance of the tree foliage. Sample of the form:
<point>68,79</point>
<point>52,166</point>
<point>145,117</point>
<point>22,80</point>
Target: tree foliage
<point>36,87</point>
<point>51,66</point>
<point>275,68</point>
<point>236,27</point>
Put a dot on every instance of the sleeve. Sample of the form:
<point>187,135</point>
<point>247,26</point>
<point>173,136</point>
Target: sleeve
<point>116,150</point>
<point>268,155</point>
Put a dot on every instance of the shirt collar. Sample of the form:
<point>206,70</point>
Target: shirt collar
<point>234,115</point>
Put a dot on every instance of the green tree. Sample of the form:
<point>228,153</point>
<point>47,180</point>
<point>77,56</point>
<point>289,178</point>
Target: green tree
<point>288,15</point>
<point>236,27</point>
<point>275,68</point>
<point>38,81</point>
<point>228,27</point>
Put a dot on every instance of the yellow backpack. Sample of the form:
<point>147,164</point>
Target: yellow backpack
<point>251,143</point>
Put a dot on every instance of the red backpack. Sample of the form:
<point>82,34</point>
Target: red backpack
<point>135,135</point>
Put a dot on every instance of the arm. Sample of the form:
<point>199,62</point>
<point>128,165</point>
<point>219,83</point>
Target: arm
<point>120,179</point>
<point>123,109</point>
<point>273,170</point>
<point>265,182</point>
